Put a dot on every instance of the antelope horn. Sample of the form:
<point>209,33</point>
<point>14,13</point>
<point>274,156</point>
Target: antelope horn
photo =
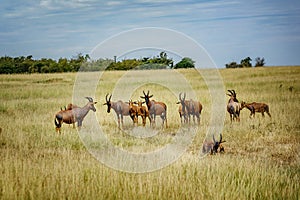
<point>184,96</point>
<point>220,138</point>
<point>214,138</point>
<point>106,97</point>
<point>89,98</point>
<point>234,93</point>
<point>109,97</point>
<point>180,96</point>
<point>148,93</point>
<point>230,92</point>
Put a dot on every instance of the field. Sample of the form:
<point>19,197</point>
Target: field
<point>261,159</point>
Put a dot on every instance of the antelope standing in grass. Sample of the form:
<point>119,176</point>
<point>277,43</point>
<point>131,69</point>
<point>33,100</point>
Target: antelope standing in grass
<point>233,106</point>
<point>133,111</point>
<point>143,112</point>
<point>213,146</point>
<point>183,109</point>
<point>256,107</point>
<point>121,109</point>
<point>155,108</point>
<point>74,114</point>
<point>188,108</point>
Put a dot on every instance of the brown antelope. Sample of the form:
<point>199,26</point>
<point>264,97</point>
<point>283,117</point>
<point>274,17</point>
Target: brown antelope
<point>183,109</point>
<point>188,108</point>
<point>73,115</point>
<point>143,111</point>
<point>120,108</point>
<point>133,111</point>
<point>256,107</point>
<point>233,106</point>
<point>213,146</point>
<point>155,108</point>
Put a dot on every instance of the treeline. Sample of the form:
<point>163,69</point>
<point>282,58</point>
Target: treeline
<point>22,64</point>
<point>246,62</point>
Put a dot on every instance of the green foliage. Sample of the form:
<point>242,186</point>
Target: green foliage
<point>246,62</point>
<point>185,63</point>
<point>17,65</point>
<point>159,62</point>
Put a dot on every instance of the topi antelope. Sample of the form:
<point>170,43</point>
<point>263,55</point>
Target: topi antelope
<point>233,106</point>
<point>256,107</point>
<point>143,112</point>
<point>188,108</point>
<point>133,111</point>
<point>213,146</point>
<point>74,114</point>
<point>121,109</point>
<point>155,108</point>
<point>183,109</point>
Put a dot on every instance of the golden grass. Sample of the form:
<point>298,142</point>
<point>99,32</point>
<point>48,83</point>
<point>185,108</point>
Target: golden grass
<point>262,159</point>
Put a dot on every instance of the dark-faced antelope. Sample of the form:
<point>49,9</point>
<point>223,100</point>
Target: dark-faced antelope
<point>233,107</point>
<point>213,146</point>
<point>183,109</point>
<point>256,107</point>
<point>155,108</point>
<point>74,114</point>
<point>121,109</point>
<point>143,112</point>
<point>188,108</point>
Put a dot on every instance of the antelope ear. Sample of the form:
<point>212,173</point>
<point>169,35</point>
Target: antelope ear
<point>151,96</point>
<point>142,97</point>
<point>178,102</point>
<point>95,102</point>
<point>105,104</point>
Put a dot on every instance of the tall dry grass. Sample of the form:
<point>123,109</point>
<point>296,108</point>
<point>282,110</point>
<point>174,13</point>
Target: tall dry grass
<point>261,159</point>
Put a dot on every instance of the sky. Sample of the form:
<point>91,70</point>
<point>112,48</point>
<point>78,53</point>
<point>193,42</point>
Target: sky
<point>229,31</point>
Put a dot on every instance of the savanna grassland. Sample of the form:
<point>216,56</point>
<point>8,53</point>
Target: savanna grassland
<point>261,159</point>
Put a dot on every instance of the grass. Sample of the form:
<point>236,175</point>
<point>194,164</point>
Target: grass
<point>261,159</point>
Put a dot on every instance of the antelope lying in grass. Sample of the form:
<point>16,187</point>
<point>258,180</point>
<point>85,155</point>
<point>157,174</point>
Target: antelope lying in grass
<point>233,106</point>
<point>143,112</point>
<point>256,107</point>
<point>155,108</point>
<point>188,108</point>
<point>121,109</point>
<point>213,146</point>
<point>74,114</point>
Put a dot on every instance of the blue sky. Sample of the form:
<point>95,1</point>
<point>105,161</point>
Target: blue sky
<point>228,30</point>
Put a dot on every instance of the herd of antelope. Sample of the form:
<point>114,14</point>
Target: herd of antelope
<point>135,109</point>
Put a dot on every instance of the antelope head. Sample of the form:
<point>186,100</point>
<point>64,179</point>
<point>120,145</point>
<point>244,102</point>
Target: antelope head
<point>91,103</point>
<point>108,103</point>
<point>146,96</point>
<point>182,101</point>
<point>232,95</point>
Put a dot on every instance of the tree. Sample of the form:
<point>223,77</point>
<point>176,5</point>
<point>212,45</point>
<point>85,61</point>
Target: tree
<point>259,62</point>
<point>246,62</point>
<point>185,63</point>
